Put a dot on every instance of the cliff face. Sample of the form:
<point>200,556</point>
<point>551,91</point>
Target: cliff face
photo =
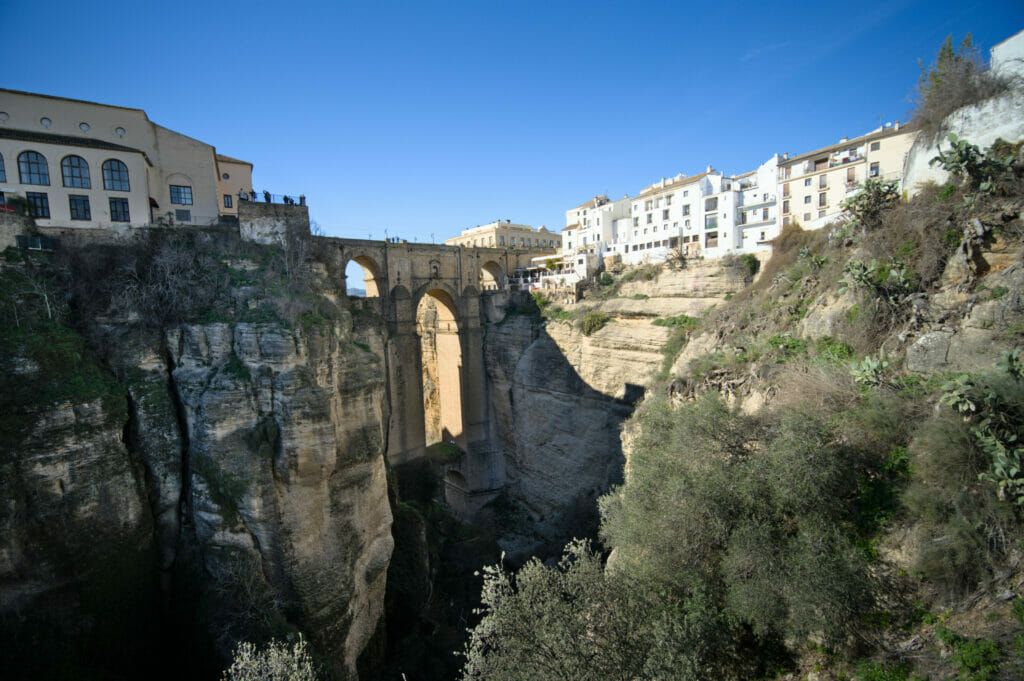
<point>248,455</point>
<point>285,469</point>
<point>558,397</point>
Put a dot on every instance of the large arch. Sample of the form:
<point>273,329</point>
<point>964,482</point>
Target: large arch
<point>372,277</point>
<point>437,325</point>
<point>492,277</point>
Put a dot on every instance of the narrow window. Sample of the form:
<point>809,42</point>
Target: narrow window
<point>227,200</point>
<point>38,204</point>
<point>183,215</point>
<point>823,199</point>
<point>115,176</point>
<point>3,173</point>
<point>32,169</point>
<point>75,172</point>
<point>182,195</point>
<point>79,207</point>
<point>119,209</point>
<point>875,170</point>
<point>875,146</point>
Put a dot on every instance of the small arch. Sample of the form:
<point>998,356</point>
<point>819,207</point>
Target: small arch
<point>115,176</point>
<point>492,277</point>
<point>456,479</point>
<point>75,172</point>
<point>365,269</point>
<point>32,168</point>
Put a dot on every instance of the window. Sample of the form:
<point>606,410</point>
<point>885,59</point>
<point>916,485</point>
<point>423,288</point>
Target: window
<point>115,176</point>
<point>785,190</point>
<point>785,220</point>
<point>764,213</point>
<point>668,200</point>
<point>119,210</point>
<point>851,176</point>
<point>650,218</point>
<point>227,200</point>
<point>181,195</point>
<point>686,209</point>
<point>875,146</point>
<point>823,199</point>
<point>664,214</point>
<point>636,221</point>
<point>762,236</point>
<point>79,207</point>
<point>807,182</point>
<point>3,173</point>
<point>32,169</point>
<point>75,172</point>
<point>807,199</point>
<point>821,213</point>
<point>501,240</point>
<point>38,204</point>
<point>711,204</point>
<point>711,221</point>
<point>647,204</point>
<point>184,215</point>
<point>686,193</point>
<point>822,181</point>
<point>807,217</point>
<point>785,206</point>
<point>711,240</point>
<point>875,170</point>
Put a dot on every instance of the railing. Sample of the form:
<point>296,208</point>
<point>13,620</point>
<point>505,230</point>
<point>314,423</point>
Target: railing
<point>267,197</point>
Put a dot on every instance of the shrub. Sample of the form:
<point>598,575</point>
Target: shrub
<point>866,208</point>
<point>989,172</point>
<point>593,321</point>
<point>680,321</point>
<point>958,78</point>
<point>277,661</point>
<point>579,621</point>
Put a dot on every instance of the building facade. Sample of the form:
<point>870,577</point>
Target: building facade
<point>813,186</point>
<point>505,234</point>
<point>84,164</point>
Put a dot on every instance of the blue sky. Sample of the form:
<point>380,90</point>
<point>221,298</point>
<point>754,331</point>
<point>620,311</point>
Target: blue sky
<point>428,118</point>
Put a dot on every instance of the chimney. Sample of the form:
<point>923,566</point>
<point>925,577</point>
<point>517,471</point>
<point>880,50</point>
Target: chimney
<point>897,125</point>
<point>785,156</point>
<point>845,139</point>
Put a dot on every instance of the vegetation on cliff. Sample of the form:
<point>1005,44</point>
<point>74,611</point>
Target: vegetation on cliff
<point>867,522</point>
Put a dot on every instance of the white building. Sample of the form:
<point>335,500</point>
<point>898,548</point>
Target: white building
<point>83,164</point>
<point>589,229</point>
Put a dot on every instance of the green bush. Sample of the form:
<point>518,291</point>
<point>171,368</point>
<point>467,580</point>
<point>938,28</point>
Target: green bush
<point>767,506</point>
<point>593,321</point>
<point>681,321</point>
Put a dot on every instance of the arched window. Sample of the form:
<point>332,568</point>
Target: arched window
<point>3,172</point>
<point>76,172</point>
<point>115,176</point>
<point>32,168</point>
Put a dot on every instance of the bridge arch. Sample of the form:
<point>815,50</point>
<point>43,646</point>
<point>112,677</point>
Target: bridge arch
<point>373,275</point>
<point>492,277</point>
<point>437,325</point>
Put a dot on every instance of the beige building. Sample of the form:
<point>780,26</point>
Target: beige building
<point>500,234</point>
<point>813,186</point>
<point>84,164</point>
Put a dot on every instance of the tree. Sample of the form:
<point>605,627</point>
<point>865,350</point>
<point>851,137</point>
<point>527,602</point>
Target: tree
<point>578,622</point>
<point>958,78</point>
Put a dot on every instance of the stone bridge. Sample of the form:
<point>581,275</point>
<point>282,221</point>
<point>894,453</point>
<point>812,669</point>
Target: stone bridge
<point>434,299</point>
